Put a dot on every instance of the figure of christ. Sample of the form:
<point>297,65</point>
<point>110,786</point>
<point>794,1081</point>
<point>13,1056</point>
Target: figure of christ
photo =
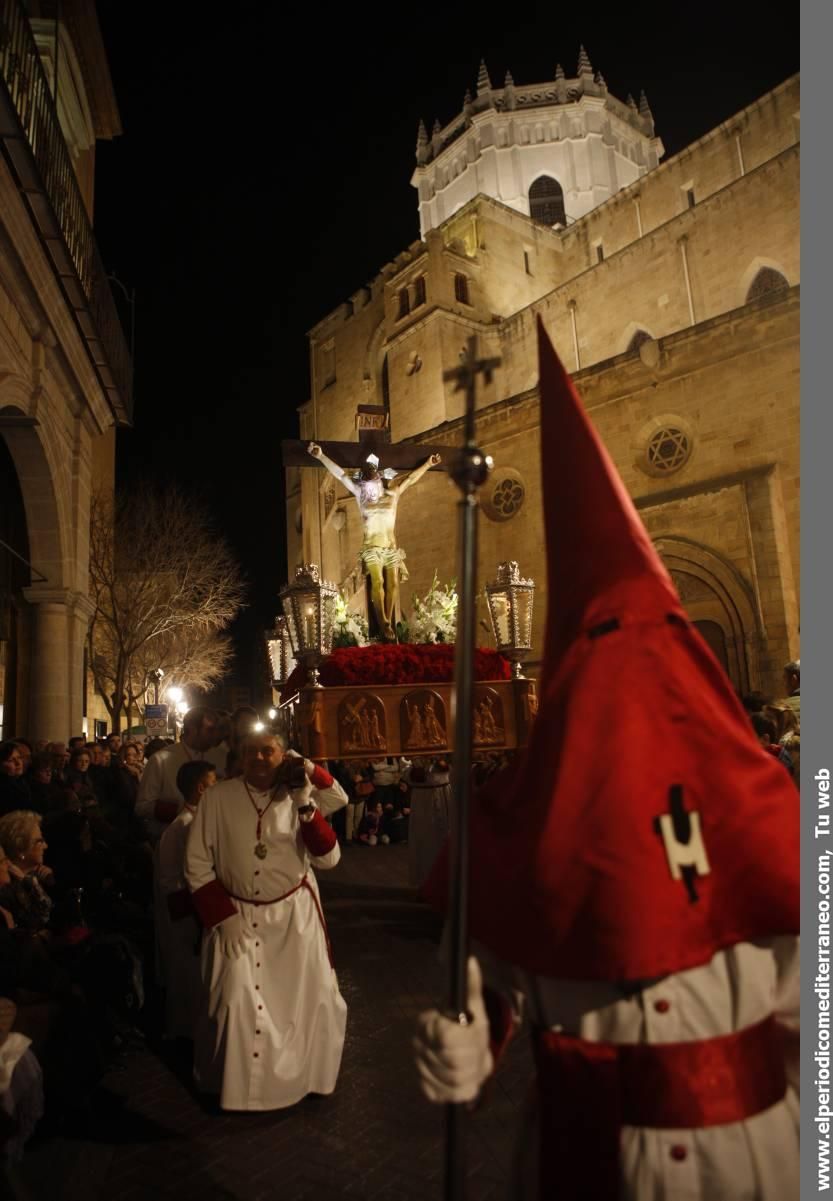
<point>354,717</point>
<point>381,559</point>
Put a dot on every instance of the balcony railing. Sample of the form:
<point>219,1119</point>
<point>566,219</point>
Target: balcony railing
<point>40,159</point>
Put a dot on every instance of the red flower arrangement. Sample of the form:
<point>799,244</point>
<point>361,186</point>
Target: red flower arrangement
<point>397,663</point>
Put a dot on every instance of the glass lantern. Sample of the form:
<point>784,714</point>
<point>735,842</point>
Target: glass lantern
<point>510,601</point>
<point>281,658</point>
<point>309,606</point>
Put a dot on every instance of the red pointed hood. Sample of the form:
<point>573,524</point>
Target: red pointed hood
<point>601,562</point>
<point>637,727</point>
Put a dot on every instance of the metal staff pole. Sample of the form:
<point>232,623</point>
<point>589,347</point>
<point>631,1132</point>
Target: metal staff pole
<point>469,472</point>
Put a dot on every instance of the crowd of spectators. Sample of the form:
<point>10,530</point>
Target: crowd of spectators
<point>75,929</point>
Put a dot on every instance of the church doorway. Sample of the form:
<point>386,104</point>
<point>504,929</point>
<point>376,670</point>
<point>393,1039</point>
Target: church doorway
<point>714,635</point>
<point>720,605</point>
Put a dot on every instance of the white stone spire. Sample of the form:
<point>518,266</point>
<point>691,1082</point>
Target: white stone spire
<point>585,69</point>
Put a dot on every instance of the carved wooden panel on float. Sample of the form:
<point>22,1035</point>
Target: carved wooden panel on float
<point>411,719</point>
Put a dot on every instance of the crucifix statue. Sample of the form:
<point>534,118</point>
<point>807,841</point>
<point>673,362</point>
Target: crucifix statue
<point>376,487</point>
<point>377,495</point>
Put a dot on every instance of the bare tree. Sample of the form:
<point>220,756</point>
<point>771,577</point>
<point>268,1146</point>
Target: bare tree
<point>164,586</point>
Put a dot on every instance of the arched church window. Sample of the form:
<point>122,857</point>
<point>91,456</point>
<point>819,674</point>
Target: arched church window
<point>404,304</point>
<point>546,201</point>
<point>419,291</point>
<point>461,288</point>
<point>767,281</point>
<point>637,340</point>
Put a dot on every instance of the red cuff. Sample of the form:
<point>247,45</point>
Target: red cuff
<point>165,811</point>
<point>321,778</point>
<point>213,904</point>
<point>319,838</point>
<point>180,905</point>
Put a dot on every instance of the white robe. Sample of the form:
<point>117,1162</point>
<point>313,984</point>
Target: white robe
<point>158,781</point>
<point>178,939</point>
<point>755,1160</point>
<point>275,1020</point>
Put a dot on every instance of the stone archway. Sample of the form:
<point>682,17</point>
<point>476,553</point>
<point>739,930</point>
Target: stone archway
<point>721,606</point>
<point>50,624</point>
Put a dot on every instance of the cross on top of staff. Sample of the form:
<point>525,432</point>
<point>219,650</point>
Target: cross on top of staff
<point>465,377</point>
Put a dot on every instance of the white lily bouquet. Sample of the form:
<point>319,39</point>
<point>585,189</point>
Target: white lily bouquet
<point>434,616</point>
<point>349,629</point>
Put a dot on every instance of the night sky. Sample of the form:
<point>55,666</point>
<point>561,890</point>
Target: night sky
<point>263,176</point>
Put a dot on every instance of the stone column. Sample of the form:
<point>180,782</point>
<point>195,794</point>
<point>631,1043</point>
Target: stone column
<point>82,610</point>
<point>50,714</point>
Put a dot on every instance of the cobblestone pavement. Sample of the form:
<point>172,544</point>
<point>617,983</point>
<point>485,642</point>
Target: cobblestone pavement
<point>375,1139</point>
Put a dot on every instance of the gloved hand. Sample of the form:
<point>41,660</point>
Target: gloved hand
<point>309,766</point>
<point>233,935</point>
<point>302,797</point>
<point>453,1061</point>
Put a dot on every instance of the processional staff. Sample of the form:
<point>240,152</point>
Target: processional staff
<point>469,471</point>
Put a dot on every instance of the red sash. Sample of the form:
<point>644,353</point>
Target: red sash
<point>588,1091</point>
<point>302,883</point>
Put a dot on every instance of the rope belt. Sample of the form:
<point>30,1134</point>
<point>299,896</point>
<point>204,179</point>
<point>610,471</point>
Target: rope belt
<point>588,1091</point>
<point>302,883</point>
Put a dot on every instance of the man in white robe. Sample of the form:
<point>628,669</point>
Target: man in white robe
<point>274,1026</point>
<point>159,800</point>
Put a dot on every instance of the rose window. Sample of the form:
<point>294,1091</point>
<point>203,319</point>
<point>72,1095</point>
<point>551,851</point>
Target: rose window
<point>668,449</point>
<point>505,496</point>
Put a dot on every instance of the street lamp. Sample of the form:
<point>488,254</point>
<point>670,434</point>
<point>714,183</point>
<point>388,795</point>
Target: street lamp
<point>175,695</point>
<point>309,606</point>
<point>156,678</point>
<point>510,607</point>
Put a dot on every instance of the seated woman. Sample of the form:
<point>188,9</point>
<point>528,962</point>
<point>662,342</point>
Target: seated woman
<point>25,896</point>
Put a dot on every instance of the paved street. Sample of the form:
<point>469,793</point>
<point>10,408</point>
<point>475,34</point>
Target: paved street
<point>374,1140</point>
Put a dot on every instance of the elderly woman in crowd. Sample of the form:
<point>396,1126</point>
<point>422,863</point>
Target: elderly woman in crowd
<point>25,895</point>
<point>14,788</point>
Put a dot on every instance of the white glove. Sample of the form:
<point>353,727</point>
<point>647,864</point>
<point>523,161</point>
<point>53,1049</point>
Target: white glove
<point>233,935</point>
<point>301,797</point>
<point>453,1061</point>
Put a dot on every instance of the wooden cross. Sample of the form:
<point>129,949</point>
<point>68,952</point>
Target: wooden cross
<point>465,377</point>
<point>401,456</point>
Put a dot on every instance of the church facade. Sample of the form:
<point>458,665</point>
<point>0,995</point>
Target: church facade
<point>671,292</point>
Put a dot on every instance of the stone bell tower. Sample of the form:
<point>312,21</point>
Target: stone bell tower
<point>552,151</point>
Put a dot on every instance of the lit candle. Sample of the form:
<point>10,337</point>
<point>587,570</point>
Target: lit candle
<point>309,627</point>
